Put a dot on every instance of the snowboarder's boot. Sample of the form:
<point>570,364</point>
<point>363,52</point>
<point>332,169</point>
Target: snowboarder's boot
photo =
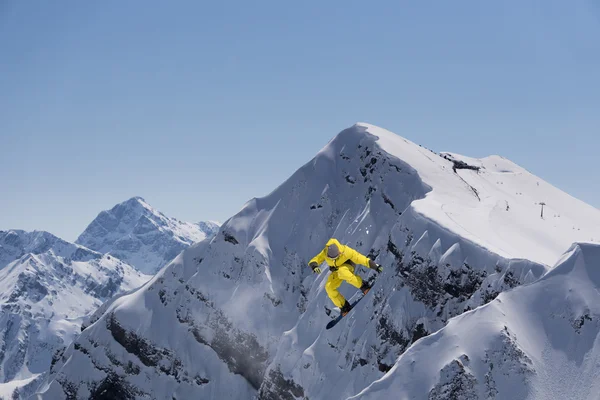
<point>345,308</point>
<point>365,287</point>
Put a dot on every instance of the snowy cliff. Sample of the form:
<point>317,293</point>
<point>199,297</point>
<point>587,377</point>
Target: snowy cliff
<point>539,341</point>
<point>241,315</point>
<point>46,286</point>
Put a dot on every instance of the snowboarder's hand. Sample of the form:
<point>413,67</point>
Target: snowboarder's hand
<point>375,266</point>
<point>315,267</point>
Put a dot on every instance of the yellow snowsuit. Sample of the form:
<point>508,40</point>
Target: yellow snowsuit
<point>343,269</point>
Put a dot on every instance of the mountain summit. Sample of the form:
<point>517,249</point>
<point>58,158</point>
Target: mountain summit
<point>242,315</point>
<point>142,236</point>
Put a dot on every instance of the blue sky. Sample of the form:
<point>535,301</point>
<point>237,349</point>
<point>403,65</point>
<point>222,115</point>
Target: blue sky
<point>200,106</point>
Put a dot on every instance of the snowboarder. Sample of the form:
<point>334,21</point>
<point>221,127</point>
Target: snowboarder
<point>342,260</point>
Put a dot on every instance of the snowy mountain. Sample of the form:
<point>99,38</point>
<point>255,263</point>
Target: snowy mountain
<point>539,341</point>
<point>142,236</point>
<point>47,286</point>
<point>241,315</point>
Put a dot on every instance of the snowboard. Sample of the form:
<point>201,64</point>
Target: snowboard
<point>333,322</point>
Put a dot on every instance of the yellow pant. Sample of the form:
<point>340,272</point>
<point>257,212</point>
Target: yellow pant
<point>344,273</point>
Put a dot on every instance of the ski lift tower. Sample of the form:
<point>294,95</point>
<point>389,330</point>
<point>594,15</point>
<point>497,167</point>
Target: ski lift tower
<point>542,214</point>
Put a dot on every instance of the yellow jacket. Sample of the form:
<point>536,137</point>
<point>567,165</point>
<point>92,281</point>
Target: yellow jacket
<point>346,254</point>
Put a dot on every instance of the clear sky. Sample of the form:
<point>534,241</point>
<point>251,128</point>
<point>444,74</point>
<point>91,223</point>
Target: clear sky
<point>198,106</point>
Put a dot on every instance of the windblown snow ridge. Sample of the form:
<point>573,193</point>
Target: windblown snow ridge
<point>539,341</point>
<point>241,314</point>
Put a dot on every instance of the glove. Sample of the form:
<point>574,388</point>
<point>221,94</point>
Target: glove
<point>315,267</point>
<point>375,266</point>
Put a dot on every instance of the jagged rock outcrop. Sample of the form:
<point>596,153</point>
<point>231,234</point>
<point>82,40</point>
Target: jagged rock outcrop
<point>245,314</point>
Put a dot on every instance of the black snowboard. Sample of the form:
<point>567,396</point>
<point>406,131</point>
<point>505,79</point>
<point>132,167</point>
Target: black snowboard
<point>333,322</point>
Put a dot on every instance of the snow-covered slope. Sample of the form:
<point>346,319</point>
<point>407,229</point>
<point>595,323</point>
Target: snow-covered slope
<point>46,286</point>
<point>501,208</point>
<point>241,314</point>
<point>141,235</point>
<point>539,341</point>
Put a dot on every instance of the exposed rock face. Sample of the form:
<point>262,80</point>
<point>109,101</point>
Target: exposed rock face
<point>528,343</point>
<point>142,236</point>
<point>44,292</point>
<point>242,315</point>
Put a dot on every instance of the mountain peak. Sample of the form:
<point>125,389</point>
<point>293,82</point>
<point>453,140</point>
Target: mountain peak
<point>581,260</point>
<point>138,200</point>
<point>14,244</point>
<point>139,234</point>
<point>134,203</point>
<point>449,236</point>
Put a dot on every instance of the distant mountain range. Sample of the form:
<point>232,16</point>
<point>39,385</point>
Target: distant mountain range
<point>49,287</point>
